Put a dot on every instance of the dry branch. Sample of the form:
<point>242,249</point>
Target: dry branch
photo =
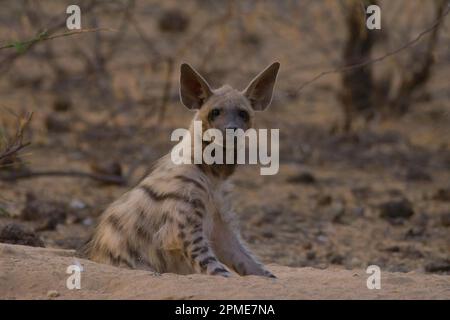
<point>357,86</point>
<point>407,45</point>
<point>16,143</point>
<point>110,179</point>
<point>22,46</point>
<point>170,60</point>
<point>417,76</point>
<point>56,24</point>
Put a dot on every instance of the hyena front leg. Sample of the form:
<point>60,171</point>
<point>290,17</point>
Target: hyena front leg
<point>235,255</point>
<point>197,249</point>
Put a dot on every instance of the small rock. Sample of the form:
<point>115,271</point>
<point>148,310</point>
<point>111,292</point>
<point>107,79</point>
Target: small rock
<point>321,265</point>
<point>336,258</point>
<point>393,249</point>
<point>77,204</point>
<point>292,196</point>
<point>396,209</point>
<point>359,211</point>
<point>322,239</point>
<point>50,213</point>
<point>442,194</point>
<point>395,193</point>
<point>361,192</point>
<point>49,224</point>
<point>88,221</point>
<point>14,233</point>
<point>72,219</point>
<point>445,219</point>
<point>52,294</point>
<point>110,168</point>
<point>418,174</point>
<point>268,234</point>
<point>324,200</point>
<point>272,211</point>
<point>61,105</point>
<point>57,123</point>
<point>355,263</point>
<point>411,252</point>
<point>303,177</point>
<point>338,213</point>
<point>415,232</point>
<point>311,255</point>
<point>438,266</point>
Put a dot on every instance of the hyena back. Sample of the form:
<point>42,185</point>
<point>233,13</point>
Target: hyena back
<point>179,218</point>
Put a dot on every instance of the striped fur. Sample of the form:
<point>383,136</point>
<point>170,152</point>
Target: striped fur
<point>179,218</point>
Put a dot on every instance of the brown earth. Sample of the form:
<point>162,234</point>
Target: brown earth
<point>35,273</point>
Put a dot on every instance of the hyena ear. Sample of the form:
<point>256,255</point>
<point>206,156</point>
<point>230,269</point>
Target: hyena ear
<point>194,90</point>
<point>260,89</point>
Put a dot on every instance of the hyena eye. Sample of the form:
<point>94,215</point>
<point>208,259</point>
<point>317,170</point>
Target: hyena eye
<point>214,114</point>
<point>244,115</point>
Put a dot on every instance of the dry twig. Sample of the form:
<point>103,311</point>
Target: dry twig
<point>378,59</point>
<point>22,46</point>
<point>16,143</point>
<point>110,179</point>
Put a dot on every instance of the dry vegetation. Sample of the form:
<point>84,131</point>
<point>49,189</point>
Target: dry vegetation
<point>365,153</point>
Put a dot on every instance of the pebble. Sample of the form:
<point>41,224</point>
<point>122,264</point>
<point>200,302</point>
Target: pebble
<point>303,177</point>
<point>77,204</point>
<point>442,194</point>
<point>418,174</point>
<point>396,209</point>
<point>88,221</point>
<point>15,233</point>
<point>52,294</point>
<point>438,266</point>
<point>445,219</point>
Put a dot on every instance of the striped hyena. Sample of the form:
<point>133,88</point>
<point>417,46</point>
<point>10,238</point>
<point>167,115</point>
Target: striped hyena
<point>179,218</point>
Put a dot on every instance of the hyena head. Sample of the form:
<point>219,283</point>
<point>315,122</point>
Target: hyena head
<point>226,108</point>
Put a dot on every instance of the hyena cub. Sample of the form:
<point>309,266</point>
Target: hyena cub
<point>179,218</point>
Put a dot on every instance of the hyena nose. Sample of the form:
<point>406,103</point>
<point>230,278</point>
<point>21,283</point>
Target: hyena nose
<point>232,128</point>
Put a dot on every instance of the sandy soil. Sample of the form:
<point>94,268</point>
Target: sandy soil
<point>37,273</point>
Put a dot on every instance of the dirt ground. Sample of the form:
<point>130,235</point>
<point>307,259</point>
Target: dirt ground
<point>27,276</point>
<point>340,202</point>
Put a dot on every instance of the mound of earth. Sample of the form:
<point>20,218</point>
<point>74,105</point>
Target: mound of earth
<point>40,273</point>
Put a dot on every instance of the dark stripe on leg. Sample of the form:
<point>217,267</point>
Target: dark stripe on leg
<point>204,263</point>
<point>197,240</point>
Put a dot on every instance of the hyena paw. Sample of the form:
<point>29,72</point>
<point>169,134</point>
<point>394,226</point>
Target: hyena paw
<point>219,271</point>
<point>269,274</point>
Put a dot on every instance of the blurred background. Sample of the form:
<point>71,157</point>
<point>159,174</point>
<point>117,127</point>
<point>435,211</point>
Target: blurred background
<point>365,150</point>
